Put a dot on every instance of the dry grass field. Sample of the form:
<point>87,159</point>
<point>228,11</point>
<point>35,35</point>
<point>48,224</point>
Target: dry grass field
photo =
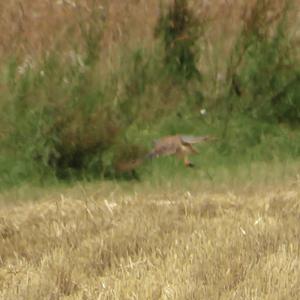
<point>110,241</point>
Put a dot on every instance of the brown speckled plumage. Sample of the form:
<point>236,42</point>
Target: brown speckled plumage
<point>179,145</point>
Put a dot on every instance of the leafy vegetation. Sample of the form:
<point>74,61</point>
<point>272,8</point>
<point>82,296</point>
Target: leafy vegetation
<point>64,116</point>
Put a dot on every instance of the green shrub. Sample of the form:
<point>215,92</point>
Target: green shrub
<point>180,30</point>
<point>264,73</point>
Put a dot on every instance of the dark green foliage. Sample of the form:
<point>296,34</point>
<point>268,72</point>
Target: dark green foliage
<point>64,122</point>
<point>180,31</point>
<point>262,73</point>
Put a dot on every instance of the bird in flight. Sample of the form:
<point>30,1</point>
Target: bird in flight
<point>179,145</point>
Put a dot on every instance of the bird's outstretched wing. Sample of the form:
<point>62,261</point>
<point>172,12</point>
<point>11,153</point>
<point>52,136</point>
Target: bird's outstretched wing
<point>189,139</point>
<point>162,150</point>
<point>170,145</point>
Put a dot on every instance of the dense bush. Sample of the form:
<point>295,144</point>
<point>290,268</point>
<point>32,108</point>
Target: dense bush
<point>180,29</point>
<point>264,71</point>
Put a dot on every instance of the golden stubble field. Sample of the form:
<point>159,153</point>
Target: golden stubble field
<point>102,241</point>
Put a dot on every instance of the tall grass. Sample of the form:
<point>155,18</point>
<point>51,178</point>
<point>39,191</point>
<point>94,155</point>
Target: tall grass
<point>66,114</point>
